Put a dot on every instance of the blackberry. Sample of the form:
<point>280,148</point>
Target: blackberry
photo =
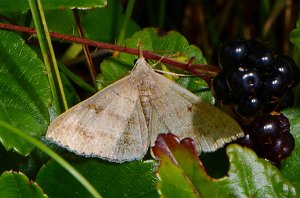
<point>248,107</point>
<point>295,71</point>
<point>220,89</point>
<point>278,148</point>
<point>275,85</point>
<point>261,56</point>
<point>244,81</point>
<point>265,127</point>
<point>247,139</point>
<point>232,53</point>
<point>286,101</point>
<point>255,81</point>
<point>283,66</point>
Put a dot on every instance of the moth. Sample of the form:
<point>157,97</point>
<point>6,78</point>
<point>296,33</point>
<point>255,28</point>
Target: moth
<point>120,122</point>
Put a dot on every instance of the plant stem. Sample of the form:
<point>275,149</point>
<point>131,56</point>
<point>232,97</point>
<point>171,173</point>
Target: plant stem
<point>48,54</point>
<point>86,50</point>
<point>125,22</point>
<point>162,13</point>
<point>53,155</point>
<point>197,69</point>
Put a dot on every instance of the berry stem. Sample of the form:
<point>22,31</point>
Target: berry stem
<point>207,72</point>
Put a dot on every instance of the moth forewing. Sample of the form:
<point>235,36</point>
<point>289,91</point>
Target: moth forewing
<point>109,125</point>
<point>177,110</point>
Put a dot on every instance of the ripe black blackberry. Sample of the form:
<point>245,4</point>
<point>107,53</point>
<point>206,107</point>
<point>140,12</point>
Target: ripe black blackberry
<point>232,53</point>
<point>255,81</point>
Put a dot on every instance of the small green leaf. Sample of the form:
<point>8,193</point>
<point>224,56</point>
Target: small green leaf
<point>291,166</point>
<point>14,184</point>
<point>24,92</point>
<point>22,5</point>
<point>295,35</point>
<point>198,86</point>
<point>132,179</point>
<point>181,173</point>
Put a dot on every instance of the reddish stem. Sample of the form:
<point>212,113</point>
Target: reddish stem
<point>207,72</point>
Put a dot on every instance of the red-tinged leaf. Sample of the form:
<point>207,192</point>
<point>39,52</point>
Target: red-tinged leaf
<point>181,174</point>
<point>187,170</point>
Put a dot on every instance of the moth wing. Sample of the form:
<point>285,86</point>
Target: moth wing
<point>177,110</point>
<point>109,125</point>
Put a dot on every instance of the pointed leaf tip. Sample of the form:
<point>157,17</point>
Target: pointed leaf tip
<point>170,145</point>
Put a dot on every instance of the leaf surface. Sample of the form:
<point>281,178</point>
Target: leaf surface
<point>14,184</point>
<point>133,179</point>
<point>291,166</point>
<point>24,92</point>
<point>295,35</point>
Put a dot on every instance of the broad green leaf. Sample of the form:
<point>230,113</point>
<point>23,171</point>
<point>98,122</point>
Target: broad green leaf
<point>172,43</point>
<point>132,179</point>
<point>165,43</point>
<point>181,173</point>
<point>22,5</point>
<point>295,35</point>
<point>291,166</point>
<point>24,92</point>
<point>101,24</point>
<point>14,184</point>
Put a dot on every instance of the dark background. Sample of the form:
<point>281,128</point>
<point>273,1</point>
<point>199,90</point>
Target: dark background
<point>207,23</point>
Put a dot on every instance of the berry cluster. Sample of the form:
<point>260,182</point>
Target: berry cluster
<point>253,78</point>
<point>269,136</point>
<point>255,81</point>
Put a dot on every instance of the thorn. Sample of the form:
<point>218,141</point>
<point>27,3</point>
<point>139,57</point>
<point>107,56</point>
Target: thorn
<point>140,48</point>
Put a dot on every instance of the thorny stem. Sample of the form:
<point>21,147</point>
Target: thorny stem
<point>86,51</point>
<point>206,72</point>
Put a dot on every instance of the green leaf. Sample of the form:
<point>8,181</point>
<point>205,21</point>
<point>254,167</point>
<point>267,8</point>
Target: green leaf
<point>167,44</point>
<point>14,184</point>
<point>181,173</point>
<point>198,86</point>
<point>101,24</point>
<point>133,179</point>
<point>112,69</point>
<point>22,5</point>
<point>295,35</point>
<point>291,166</point>
<point>24,92</point>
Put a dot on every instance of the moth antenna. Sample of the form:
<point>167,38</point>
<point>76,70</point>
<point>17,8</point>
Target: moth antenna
<point>140,48</point>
